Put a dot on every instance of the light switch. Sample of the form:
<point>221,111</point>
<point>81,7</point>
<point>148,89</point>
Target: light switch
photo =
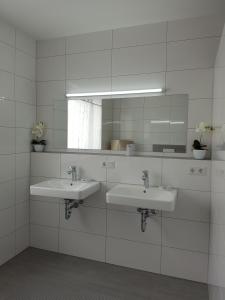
<point>198,171</point>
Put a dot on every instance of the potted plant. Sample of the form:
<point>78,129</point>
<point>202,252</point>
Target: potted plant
<point>38,132</point>
<point>199,148</point>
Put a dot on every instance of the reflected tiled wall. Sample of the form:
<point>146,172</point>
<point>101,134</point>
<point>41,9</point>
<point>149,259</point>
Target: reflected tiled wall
<point>168,55</point>
<point>217,226</point>
<point>17,115</point>
<point>174,244</point>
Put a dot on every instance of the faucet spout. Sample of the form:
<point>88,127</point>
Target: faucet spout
<point>145,178</point>
<point>73,170</point>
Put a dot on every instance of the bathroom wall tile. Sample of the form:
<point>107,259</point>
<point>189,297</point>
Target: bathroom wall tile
<point>25,90</point>
<point>25,43</point>
<point>7,57</point>
<point>139,35</point>
<point>191,205</point>
<point>217,241</point>
<point>51,47</point>
<point>221,53</point>
<point>22,165</point>
<point>200,109</point>
<point>194,28</point>
<point>218,176</point>
<point>23,138</point>
<point>50,91</point>
<point>45,164</point>
<point>125,253</point>
<point>88,85</point>
<point>98,199</point>
<point>135,82</point>
<point>89,42</point>
<point>7,33</point>
<point>22,239</point>
<point>22,214</point>
<point>51,68</point>
<point>218,112</point>
<point>25,115</point>
<point>129,169</point>
<point>89,166</point>
<point>185,235</point>
<point>85,219</point>
<point>44,213</point>
<point>25,65</point>
<point>6,84</point>
<point>126,225</point>
<point>8,136</point>
<point>7,248</point>
<point>137,60</point>
<point>88,65</point>
<point>82,244</point>
<point>7,194</point>
<point>193,266</point>
<point>7,221</point>
<point>44,237</point>
<point>216,270</point>
<point>22,189</point>
<point>219,87</point>
<point>7,113</point>
<point>217,208</point>
<point>195,83</point>
<point>46,114</point>
<point>7,167</point>
<point>181,176</point>
<point>189,54</point>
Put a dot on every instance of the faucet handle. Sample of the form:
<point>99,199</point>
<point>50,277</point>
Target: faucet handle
<point>71,169</point>
<point>145,172</point>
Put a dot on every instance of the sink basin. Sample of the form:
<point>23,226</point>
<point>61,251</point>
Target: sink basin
<point>62,188</point>
<point>158,198</point>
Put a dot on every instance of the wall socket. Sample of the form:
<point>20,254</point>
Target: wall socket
<point>198,171</point>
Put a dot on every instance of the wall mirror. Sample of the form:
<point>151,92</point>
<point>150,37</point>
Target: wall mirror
<point>152,123</point>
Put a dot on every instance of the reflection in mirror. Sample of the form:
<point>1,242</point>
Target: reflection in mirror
<point>154,123</point>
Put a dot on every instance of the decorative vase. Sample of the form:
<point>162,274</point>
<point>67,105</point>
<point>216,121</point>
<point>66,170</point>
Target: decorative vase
<point>38,147</point>
<point>199,154</point>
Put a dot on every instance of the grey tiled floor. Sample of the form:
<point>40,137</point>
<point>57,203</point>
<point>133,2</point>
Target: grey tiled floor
<point>42,275</point>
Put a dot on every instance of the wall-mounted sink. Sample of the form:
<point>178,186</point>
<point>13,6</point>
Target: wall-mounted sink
<point>65,189</point>
<point>153,198</point>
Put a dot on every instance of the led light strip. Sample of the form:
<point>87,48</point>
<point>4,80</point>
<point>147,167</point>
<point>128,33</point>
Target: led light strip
<point>158,90</point>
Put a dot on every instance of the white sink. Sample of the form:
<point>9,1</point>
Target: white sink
<point>63,188</point>
<point>157,198</point>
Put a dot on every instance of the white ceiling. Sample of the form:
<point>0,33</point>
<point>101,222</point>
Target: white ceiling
<point>45,19</point>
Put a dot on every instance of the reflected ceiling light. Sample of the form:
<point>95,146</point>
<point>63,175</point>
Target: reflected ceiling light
<point>158,90</point>
<point>166,122</point>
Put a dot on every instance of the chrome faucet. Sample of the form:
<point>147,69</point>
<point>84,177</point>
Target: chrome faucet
<point>73,170</point>
<point>145,178</point>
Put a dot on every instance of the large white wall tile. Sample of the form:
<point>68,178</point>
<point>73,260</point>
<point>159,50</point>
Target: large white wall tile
<point>51,47</point>
<point>6,84</point>
<point>139,35</point>
<point>82,244</point>
<point>7,221</point>
<point>129,169</point>
<point>7,167</point>
<point>200,109</point>
<point>195,28</point>
<point>22,189</point>
<point>7,248</point>
<point>7,33</point>
<point>22,238</point>
<point>88,65</point>
<point>25,90</point>
<point>217,241</point>
<point>137,60</point>
<point>23,138</point>
<point>218,176</point>
<point>182,177</point>
<point>98,199</point>
<point>22,214</point>
<point>185,235</point>
<point>44,237</point>
<point>51,68</point>
<point>45,164</point>
<point>217,208</point>
<point>8,136</point>
<point>219,87</point>
<point>50,91</point>
<point>125,225</point>
<point>89,166</point>
<point>25,65</point>
<point>7,57</point>
<point>124,253</point>
<point>192,54</point>
<point>193,266</point>
<point>85,219</point>
<point>88,85</point>
<point>22,165</point>
<point>44,213</point>
<point>89,42</point>
<point>7,194</point>
<point>25,115</point>
<point>196,83</point>
<point>25,43</point>
<point>7,113</point>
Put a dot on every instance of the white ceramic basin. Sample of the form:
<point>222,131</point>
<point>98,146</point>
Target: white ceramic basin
<point>62,188</point>
<point>133,195</point>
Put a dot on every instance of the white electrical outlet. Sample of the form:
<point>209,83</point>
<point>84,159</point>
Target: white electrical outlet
<point>109,164</point>
<point>198,171</point>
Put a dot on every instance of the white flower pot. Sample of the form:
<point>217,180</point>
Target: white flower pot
<point>199,154</point>
<point>38,148</point>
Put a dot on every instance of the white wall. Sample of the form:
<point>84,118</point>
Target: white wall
<point>17,114</point>
<point>174,244</point>
<point>217,226</point>
<point>178,56</point>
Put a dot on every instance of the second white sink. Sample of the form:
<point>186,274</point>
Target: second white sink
<point>62,188</point>
<point>157,198</point>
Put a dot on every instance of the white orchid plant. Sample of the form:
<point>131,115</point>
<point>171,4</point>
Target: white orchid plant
<point>202,129</point>
<point>38,132</point>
